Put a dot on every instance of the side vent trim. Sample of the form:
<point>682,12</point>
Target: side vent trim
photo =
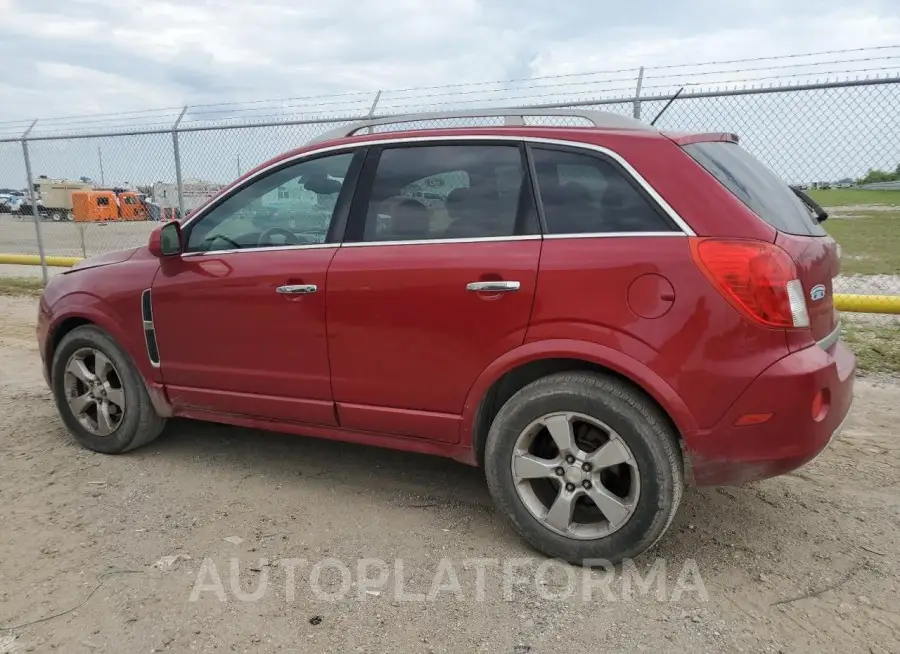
<point>149,330</point>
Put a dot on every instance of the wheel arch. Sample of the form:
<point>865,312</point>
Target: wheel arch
<point>89,314</point>
<point>519,367</point>
<point>57,333</point>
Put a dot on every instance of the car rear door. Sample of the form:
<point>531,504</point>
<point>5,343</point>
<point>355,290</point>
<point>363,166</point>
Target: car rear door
<point>239,317</point>
<point>435,280</point>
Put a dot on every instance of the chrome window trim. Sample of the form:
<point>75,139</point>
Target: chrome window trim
<point>611,235</point>
<point>590,147</point>
<point>434,241</point>
<point>439,241</point>
<point>832,338</point>
<point>264,248</point>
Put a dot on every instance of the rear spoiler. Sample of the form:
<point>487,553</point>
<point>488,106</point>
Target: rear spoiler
<point>684,138</point>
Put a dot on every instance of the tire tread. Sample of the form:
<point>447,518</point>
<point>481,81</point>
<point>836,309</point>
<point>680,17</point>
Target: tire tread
<point>149,424</point>
<point>613,391</point>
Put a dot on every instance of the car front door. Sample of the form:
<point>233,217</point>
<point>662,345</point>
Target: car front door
<point>240,315</point>
<point>434,281</point>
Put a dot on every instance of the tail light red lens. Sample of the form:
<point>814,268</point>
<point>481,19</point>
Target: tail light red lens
<point>759,279</point>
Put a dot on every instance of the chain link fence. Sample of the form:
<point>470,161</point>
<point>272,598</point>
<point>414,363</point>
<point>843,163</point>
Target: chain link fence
<point>821,136</point>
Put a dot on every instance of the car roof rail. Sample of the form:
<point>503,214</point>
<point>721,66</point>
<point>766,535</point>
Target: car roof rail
<point>513,117</point>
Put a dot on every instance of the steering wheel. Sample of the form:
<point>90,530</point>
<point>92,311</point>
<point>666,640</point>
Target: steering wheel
<point>217,237</point>
<point>290,238</point>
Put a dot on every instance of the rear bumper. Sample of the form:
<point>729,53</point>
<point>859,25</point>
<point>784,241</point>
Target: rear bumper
<point>732,453</point>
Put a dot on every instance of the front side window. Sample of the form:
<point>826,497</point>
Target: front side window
<point>291,206</point>
<point>587,194</point>
<point>447,192</point>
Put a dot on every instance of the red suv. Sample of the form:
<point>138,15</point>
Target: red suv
<point>596,315</point>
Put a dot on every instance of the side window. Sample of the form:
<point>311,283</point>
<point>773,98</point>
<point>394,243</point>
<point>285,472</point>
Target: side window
<point>448,191</point>
<point>291,206</point>
<point>586,194</point>
<point>103,202</point>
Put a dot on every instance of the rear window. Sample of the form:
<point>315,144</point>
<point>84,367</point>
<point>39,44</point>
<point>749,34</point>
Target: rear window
<point>756,186</point>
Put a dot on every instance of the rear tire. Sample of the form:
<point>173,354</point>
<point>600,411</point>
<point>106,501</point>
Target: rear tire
<point>56,216</point>
<point>100,395</point>
<point>619,502</point>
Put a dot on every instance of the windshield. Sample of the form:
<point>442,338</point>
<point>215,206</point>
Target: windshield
<point>756,186</point>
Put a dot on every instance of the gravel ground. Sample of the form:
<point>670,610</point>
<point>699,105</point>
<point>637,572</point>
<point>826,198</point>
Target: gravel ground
<point>806,562</point>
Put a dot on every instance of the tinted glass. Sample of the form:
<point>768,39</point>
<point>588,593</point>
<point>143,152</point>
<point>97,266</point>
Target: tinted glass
<point>445,191</point>
<point>291,206</point>
<point>756,186</point>
<point>586,194</point>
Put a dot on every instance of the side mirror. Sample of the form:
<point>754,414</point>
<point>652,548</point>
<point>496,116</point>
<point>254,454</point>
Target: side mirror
<point>165,240</point>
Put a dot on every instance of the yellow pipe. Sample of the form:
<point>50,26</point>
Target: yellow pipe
<point>868,303</point>
<point>35,260</point>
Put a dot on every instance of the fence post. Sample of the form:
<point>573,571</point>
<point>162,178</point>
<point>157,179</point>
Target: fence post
<point>178,181</point>
<point>374,104</point>
<point>34,208</point>
<point>637,94</point>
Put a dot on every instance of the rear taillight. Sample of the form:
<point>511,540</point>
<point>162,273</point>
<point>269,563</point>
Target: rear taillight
<point>757,278</point>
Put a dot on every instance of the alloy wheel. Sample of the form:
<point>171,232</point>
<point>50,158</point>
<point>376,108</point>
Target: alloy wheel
<point>94,391</point>
<point>576,475</point>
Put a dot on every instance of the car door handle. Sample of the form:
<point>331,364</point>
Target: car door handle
<point>297,289</point>
<point>493,287</point>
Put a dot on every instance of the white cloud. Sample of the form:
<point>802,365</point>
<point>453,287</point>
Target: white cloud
<point>83,56</point>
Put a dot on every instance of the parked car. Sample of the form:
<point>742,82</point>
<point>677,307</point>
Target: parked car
<point>595,316</point>
<point>11,202</point>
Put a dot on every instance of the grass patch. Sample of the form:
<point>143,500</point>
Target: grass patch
<point>870,243</point>
<point>877,348</point>
<point>842,197</point>
<point>21,286</point>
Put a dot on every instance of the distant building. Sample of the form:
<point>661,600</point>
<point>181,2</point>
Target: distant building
<point>289,195</point>
<point>195,192</point>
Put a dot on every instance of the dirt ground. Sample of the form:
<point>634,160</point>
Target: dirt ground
<point>806,562</point>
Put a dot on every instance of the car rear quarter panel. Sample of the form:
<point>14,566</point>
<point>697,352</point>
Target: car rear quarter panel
<point>701,346</point>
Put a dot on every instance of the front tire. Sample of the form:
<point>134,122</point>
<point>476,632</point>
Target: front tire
<point>586,468</point>
<point>100,395</point>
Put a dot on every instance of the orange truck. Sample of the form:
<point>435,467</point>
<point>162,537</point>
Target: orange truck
<point>108,206</point>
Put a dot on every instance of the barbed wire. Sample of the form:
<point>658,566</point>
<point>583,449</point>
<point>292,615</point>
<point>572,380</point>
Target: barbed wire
<point>344,103</point>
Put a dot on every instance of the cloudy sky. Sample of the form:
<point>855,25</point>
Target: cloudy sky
<point>270,59</point>
<point>70,57</point>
